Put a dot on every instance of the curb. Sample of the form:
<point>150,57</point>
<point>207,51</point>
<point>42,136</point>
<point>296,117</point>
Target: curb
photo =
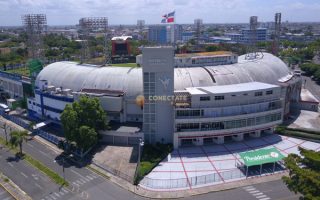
<point>13,189</point>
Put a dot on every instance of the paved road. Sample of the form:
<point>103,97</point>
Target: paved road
<point>274,190</point>
<point>4,195</point>
<point>25,176</point>
<point>312,86</point>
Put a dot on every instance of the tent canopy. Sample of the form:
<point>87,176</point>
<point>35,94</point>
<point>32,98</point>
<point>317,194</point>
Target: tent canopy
<point>261,156</point>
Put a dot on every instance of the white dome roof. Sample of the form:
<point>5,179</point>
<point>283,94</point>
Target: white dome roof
<point>76,76</point>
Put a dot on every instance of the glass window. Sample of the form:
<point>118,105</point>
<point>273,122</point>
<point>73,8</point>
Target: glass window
<point>269,92</point>
<point>206,98</point>
<point>258,94</point>
<point>218,97</point>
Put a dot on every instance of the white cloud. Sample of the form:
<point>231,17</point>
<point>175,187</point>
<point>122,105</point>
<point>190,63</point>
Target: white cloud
<point>128,11</point>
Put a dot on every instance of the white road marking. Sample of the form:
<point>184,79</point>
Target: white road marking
<point>56,194</point>
<point>77,173</point>
<point>83,181</point>
<point>11,165</point>
<point>261,196</point>
<point>38,186</point>
<point>257,194</point>
<point>66,191</point>
<point>90,178</point>
<point>250,189</point>
<point>45,154</point>
<point>76,184</point>
<point>30,145</point>
<point>265,198</point>
<point>23,175</point>
<point>255,191</point>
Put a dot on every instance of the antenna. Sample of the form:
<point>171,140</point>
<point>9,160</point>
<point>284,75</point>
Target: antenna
<point>35,25</point>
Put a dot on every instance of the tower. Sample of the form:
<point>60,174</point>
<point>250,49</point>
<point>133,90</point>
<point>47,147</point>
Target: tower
<point>276,36</point>
<point>253,38</point>
<point>198,27</point>
<point>93,24</point>
<point>35,25</point>
<point>158,89</point>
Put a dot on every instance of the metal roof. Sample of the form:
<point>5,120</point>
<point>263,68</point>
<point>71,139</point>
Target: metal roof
<point>223,89</point>
<point>76,76</point>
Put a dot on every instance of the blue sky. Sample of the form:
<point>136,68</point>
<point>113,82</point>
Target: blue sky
<point>64,12</point>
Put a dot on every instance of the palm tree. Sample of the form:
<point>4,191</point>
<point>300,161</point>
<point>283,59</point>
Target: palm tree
<point>17,137</point>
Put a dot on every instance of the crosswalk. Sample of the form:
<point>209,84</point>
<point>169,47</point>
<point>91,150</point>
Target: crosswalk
<point>74,188</point>
<point>84,179</point>
<point>57,195</point>
<point>256,193</point>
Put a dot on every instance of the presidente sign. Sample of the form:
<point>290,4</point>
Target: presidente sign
<point>261,156</point>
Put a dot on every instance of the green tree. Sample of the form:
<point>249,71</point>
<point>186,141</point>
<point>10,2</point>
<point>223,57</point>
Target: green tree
<point>70,123</point>
<point>17,138</point>
<point>304,174</point>
<point>87,138</point>
<point>87,112</point>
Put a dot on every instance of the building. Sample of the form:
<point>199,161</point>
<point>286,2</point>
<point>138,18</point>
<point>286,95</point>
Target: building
<point>187,35</point>
<point>194,104</point>
<point>200,59</point>
<point>246,34</point>
<point>165,34</point>
<point>158,34</point>
<point>235,37</point>
<point>261,35</point>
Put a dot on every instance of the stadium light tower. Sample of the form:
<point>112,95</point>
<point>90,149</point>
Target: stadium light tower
<point>93,24</point>
<point>35,25</point>
<point>198,26</point>
<point>277,30</point>
<point>253,39</point>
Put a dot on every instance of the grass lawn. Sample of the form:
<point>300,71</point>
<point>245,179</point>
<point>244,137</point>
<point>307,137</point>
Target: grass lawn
<point>125,65</point>
<point>300,133</point>
<point>151,156</point>
<point>22,71</point>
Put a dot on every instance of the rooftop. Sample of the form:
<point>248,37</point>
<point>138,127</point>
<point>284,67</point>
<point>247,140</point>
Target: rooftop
<point>222,89</point>
<point>214,53</point>
<point>306,96</point>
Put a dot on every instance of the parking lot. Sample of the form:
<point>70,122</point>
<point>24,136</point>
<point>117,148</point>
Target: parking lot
<point>198,166</point>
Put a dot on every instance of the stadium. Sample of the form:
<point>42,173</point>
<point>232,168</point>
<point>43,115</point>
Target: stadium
<point>221,96</point>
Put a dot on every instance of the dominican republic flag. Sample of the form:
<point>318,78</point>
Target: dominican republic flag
<point>168,18</point>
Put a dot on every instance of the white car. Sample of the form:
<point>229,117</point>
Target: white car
<point>4,107</point>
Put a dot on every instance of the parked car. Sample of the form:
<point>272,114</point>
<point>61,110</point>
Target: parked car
<point>4,108</point>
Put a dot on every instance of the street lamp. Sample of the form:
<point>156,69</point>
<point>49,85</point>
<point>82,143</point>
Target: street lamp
<point>64,176</point>
<point>141,144</point>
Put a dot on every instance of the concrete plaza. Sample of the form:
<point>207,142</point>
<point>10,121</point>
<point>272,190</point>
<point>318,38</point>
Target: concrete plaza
<point>198,166</point>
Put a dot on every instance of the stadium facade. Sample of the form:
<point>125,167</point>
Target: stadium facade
<point>184,99</point>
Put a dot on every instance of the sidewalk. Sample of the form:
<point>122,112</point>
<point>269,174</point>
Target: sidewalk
<point>139,190</point>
